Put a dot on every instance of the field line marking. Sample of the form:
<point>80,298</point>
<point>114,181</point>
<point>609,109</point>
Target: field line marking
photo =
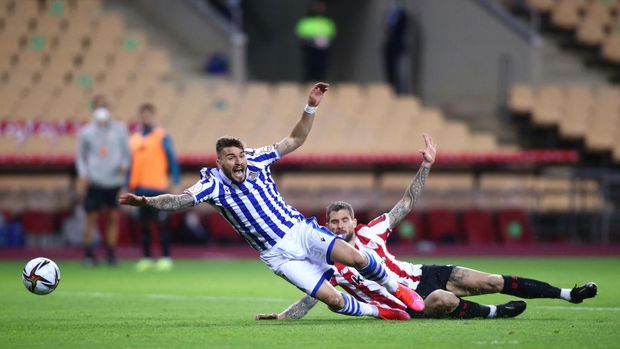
<point>580,308</point>
<point>157,296</point>
<point>497,342</point>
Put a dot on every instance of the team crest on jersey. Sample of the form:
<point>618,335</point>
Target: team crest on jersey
<point>252,175</point>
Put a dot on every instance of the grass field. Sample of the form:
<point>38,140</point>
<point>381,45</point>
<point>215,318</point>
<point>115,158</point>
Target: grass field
<point>211,304</point>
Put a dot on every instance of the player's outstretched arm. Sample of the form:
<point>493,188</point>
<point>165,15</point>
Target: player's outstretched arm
<point>414,190</point>
<point>304,125</point>
<point>295,311</point>
<point>165,202</point>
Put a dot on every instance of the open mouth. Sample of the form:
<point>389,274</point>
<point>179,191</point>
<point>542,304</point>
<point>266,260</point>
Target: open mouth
<point>238,171</point>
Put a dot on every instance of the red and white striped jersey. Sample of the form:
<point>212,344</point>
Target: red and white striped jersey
<point>364,290</point>
<point>373,237</point>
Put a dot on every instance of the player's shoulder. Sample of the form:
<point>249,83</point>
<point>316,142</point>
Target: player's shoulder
<point>380,222</point>
<point>207,175</point>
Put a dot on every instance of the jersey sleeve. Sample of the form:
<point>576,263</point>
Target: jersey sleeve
<point>262,157</point>
<point>204,189</point>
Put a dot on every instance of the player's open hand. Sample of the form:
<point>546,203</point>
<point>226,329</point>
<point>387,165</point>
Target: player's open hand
<point>430,151</point>
<point>131,200</point>
<point>316,93</point>
<point>272,316</point>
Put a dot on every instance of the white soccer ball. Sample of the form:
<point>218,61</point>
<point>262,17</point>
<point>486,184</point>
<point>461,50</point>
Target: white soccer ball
<point>41,276</point>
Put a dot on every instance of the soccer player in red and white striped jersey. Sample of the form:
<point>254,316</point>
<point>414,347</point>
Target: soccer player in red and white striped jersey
<point>442,286</point>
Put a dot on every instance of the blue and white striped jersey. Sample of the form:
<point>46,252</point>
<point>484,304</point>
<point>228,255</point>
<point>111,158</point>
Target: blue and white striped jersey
<point>254,208</point>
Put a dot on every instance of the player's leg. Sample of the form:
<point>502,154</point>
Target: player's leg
<point>442,303</point>
<point>89,248</point>
<point>343,303</point>
<point>371,267</point>
<point>112,234</point>
<point>91,206</point>
<point>111,202</point>
<point>144,221</point>
<point>467,282</point>
<point>164,263</point>
<point>313,279</point>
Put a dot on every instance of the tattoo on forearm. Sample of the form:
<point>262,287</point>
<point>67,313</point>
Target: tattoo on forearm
<point>411,196</point>
<point>299,309</point>
<point>169,202</point>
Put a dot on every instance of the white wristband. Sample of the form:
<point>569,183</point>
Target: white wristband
<point>310,109</point>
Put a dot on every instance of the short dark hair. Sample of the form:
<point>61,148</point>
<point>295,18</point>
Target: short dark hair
<point>337,206</point>
<point>147,107</point>
<point>227,141</point>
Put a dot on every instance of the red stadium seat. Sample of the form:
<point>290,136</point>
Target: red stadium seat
<point>478,227</point>
<point>128,233</point>
<point>443,226</point>
<point>219,229</point>
<point>410,230</point>
<point>514,227</point>
<point>38,222</point>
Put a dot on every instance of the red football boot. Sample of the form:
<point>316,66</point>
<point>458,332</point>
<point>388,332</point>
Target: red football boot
<point>392,314</point>
<point>411,299</point>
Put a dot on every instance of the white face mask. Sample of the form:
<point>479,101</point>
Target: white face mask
<point>101,114</point>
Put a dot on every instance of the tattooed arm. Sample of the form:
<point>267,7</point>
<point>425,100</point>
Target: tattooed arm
<point>414,190</point>
<point>295,311</point>
<point>165,202</point>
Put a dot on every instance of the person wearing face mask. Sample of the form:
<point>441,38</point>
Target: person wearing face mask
<point>102,161</point>
<point>152,161</point>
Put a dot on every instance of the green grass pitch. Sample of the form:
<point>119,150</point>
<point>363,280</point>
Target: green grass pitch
<point>211,304</point>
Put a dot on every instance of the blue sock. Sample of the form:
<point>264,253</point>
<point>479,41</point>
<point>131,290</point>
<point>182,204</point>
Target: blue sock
<point>353,307</point>
<point>375,271</point>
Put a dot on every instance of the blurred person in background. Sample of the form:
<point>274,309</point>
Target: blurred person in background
<point>315,32</point>
<point>102,161</point>
<point>152,162</point>
<point>394,45</point>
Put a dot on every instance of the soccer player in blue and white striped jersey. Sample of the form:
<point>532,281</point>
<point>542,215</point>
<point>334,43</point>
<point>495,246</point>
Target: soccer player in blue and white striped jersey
<point>294,247</point>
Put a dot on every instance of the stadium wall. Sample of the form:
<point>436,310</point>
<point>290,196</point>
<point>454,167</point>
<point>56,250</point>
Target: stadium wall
<point>468,50</point>
<point>202,36</point>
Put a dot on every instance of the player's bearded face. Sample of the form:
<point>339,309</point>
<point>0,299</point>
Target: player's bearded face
<point>233,163</point>
<point>341,223</point>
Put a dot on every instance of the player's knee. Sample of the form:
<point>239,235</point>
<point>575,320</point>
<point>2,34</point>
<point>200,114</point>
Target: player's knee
<point>493,283</point>
<point>334,301</point>
<point>360,260</point>
<point>441,298</point>
<point>440,303</point>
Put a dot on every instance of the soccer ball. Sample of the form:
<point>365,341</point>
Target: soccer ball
<point>41,276</point>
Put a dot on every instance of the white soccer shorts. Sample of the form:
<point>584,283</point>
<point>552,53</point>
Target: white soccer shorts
<point>302,257</point>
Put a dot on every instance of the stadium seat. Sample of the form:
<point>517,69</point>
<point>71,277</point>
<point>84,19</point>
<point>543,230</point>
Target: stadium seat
<point>521,99</point>
<point>514,227</point>
<point>39,226</point>
<point>219,229</point>
<point>611,48</point>
<point>577,111</point>
<point>591,32</point>
<point>542,6</point>
<point>479,227</point>
<point>410,230</point>
<point>548,105</point>
<point>443,226</point>
<point>567,14</point>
